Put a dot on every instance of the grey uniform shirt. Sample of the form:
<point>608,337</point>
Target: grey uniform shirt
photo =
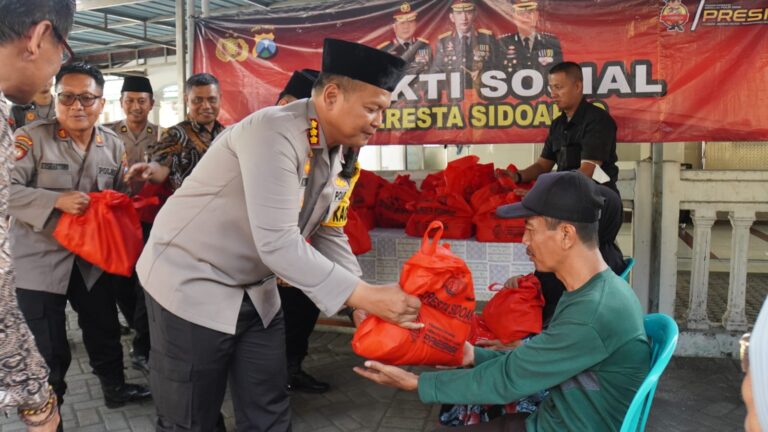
<point>47,164</point>
<point>136,146</point>
<point>249,211</point>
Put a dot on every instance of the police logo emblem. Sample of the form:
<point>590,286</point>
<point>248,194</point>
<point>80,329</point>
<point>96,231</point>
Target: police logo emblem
<point>265,46</point>
<point>231,49</point>
<point>674,15</point>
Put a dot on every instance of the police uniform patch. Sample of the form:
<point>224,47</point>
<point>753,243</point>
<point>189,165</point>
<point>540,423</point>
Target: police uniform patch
<point>338,212</point>
<point>99,139</point>
<point>313,134</point>
<point>30,115</point>
<point>61,133</point>
<point>20,151</point>
<point>123,129</point>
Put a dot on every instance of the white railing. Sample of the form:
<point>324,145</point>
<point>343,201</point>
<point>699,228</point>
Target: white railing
<point>740,194</point>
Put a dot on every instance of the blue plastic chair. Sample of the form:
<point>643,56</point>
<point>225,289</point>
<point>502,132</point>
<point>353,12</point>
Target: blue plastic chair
<point>662,332</point>
<point>628,264</point>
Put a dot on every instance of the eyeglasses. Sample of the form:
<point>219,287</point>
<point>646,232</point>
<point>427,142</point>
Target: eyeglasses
<point>67,55</point>
<point>86,100</point>
<point>744,352</point>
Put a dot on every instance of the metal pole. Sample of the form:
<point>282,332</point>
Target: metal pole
<point>190,36</point>
<point>654,285</point>
<point>181,76</point>
<point>206,8</point>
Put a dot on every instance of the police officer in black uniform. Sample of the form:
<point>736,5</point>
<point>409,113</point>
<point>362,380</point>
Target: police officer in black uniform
<point>415,51</point>
<point>528,48</point>
<point>465,48</point>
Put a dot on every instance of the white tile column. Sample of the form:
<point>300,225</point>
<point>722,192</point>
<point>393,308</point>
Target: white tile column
<point>702,238</point>
<point>735,317</point>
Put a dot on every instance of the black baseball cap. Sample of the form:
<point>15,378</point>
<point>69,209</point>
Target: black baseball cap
<point>362,63</point>
<point>568,196</point>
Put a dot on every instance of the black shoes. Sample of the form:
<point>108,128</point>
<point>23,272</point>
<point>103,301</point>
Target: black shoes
<point>303,382</point>
<point>140,363</point>
<point>116,396</point>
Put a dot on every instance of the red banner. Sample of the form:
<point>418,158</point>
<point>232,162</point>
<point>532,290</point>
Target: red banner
<point>666,70</point>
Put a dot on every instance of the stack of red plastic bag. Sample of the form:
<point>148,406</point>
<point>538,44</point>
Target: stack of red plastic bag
<point>392,202</point>
<point>108,234</point>
<point>443,283</point>
<point>485,201</point>
<point>512,313</point>
<point>465,176</point>
<point>364,197</point>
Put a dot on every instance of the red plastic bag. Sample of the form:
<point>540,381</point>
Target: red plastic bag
<point>367,189</point>
<point>502,184</point>
<point>491,228</point>
<point>108,235</point>
<point>443,282</point>
<point>446,207</point>
<point>465,176</point>
<point>515,313</point>
<point>480,331</point>
<point>432,182</point>
<point>367,216</point>
<point>357,232</point>
<point>161,191</point>
<point>391,210</point>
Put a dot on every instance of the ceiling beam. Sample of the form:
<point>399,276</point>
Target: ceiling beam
<point>85,5</point>
<point>124,34</point>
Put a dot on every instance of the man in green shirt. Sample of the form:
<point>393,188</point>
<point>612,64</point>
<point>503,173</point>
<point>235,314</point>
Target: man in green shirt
<point>593,356</point>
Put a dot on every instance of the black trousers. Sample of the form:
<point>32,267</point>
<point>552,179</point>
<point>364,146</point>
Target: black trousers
<point>300,318</point>
<point>190,364</point>
<point>97,317</point>
<point>130,299</point>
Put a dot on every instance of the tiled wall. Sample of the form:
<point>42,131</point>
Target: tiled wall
<point>489,262</point>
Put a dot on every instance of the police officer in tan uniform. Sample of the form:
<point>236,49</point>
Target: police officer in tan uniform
<point>299,312</point>
<point>136,131</point>
<point>414,50</point>
<point>465,49</point>
<point>41,108</point>
<point>57,163</point>
<point>138,134</point>
<point>265,201</point>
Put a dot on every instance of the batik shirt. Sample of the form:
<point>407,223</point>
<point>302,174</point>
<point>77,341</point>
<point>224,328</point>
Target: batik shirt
<point>23,373</point>
<point>181,147</point>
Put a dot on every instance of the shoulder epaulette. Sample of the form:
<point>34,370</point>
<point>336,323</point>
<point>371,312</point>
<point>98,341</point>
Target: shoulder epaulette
<point>109,131</point>
<point>382,45</point>
<point>426,41</point>
<point>485,31</point>
<point>442,36</point>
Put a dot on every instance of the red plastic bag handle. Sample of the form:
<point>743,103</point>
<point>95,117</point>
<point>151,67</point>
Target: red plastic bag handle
<point>496,286</point>
<point>427,247</point>
<point>140,202</point>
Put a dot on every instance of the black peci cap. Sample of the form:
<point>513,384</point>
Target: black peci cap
<point>300,84</point>
<point>569,196</point>
<point>362,63</point>
<point>136,84</point>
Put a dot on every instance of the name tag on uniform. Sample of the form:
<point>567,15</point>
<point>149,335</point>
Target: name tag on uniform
<point>107,171</point>
<point>54,166</point>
